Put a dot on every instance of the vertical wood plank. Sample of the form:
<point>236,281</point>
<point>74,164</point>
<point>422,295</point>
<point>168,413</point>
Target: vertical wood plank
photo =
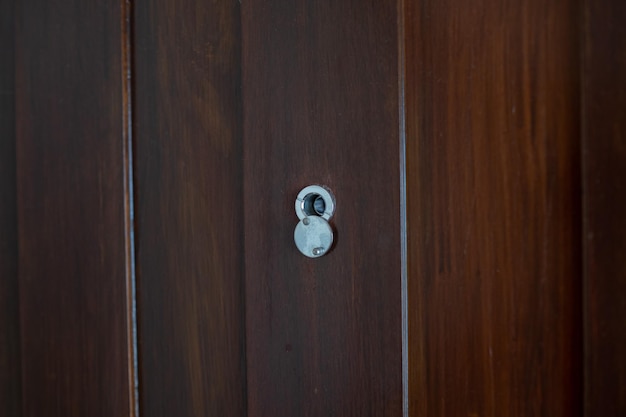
<point>320,83</point>
<point>604,190</point>
<point>73,209</point>
<point>189,208</point>
<point>494,284</point>
<point>10,380</point>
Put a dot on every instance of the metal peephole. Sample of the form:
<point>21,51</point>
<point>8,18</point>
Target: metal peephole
<point>315,205</point>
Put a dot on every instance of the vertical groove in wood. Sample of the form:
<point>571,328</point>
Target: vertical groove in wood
<point>126,47</point>
<point>604,191</point>
<point>73,271</point>
<point>188,154</point>
<point>10,381</point>
<point>492,103</point>
<point>402,39</point>
<point>320,84</point>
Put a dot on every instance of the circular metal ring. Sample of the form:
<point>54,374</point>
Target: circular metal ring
<point>315,200</point>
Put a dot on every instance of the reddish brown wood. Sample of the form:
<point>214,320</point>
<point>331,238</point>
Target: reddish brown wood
<point>492,104</point>
<point>604,190</point>
<point>320,106</point>
<point>72,229</point>
<point>189,208</point>
<point>10,386</point>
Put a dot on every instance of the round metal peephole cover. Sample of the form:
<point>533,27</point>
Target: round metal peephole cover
<point>315,200</point>
<point>313,236</point>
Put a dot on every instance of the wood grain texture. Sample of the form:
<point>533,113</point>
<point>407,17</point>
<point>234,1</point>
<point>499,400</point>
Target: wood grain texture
<point>73,262</point>
<point>10,386</point>
<point>189,208</point>
<point>494,284</point>
<point>604,190</point>
<point>321,107</point>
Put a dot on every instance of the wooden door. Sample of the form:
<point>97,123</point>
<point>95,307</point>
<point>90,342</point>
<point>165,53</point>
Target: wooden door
<point>151,153</point>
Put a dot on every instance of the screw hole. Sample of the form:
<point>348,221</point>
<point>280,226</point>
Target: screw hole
<point>313,205</point>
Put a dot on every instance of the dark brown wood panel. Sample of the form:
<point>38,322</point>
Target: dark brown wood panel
<point>321,107</point>
<point>189,211</point>
<point>9,319</point>
<point>604,190</point>
<point>73,210</point>
<point>493,200</point>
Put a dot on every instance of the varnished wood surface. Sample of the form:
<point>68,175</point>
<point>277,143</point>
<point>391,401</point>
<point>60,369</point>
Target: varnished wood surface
<point>321,107</point>
<point>492,107</point>
<point>189,208</point>
<point>498,241</point>
<point>604,190</point>
<point>10,386</point>
<point>73,266</point>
